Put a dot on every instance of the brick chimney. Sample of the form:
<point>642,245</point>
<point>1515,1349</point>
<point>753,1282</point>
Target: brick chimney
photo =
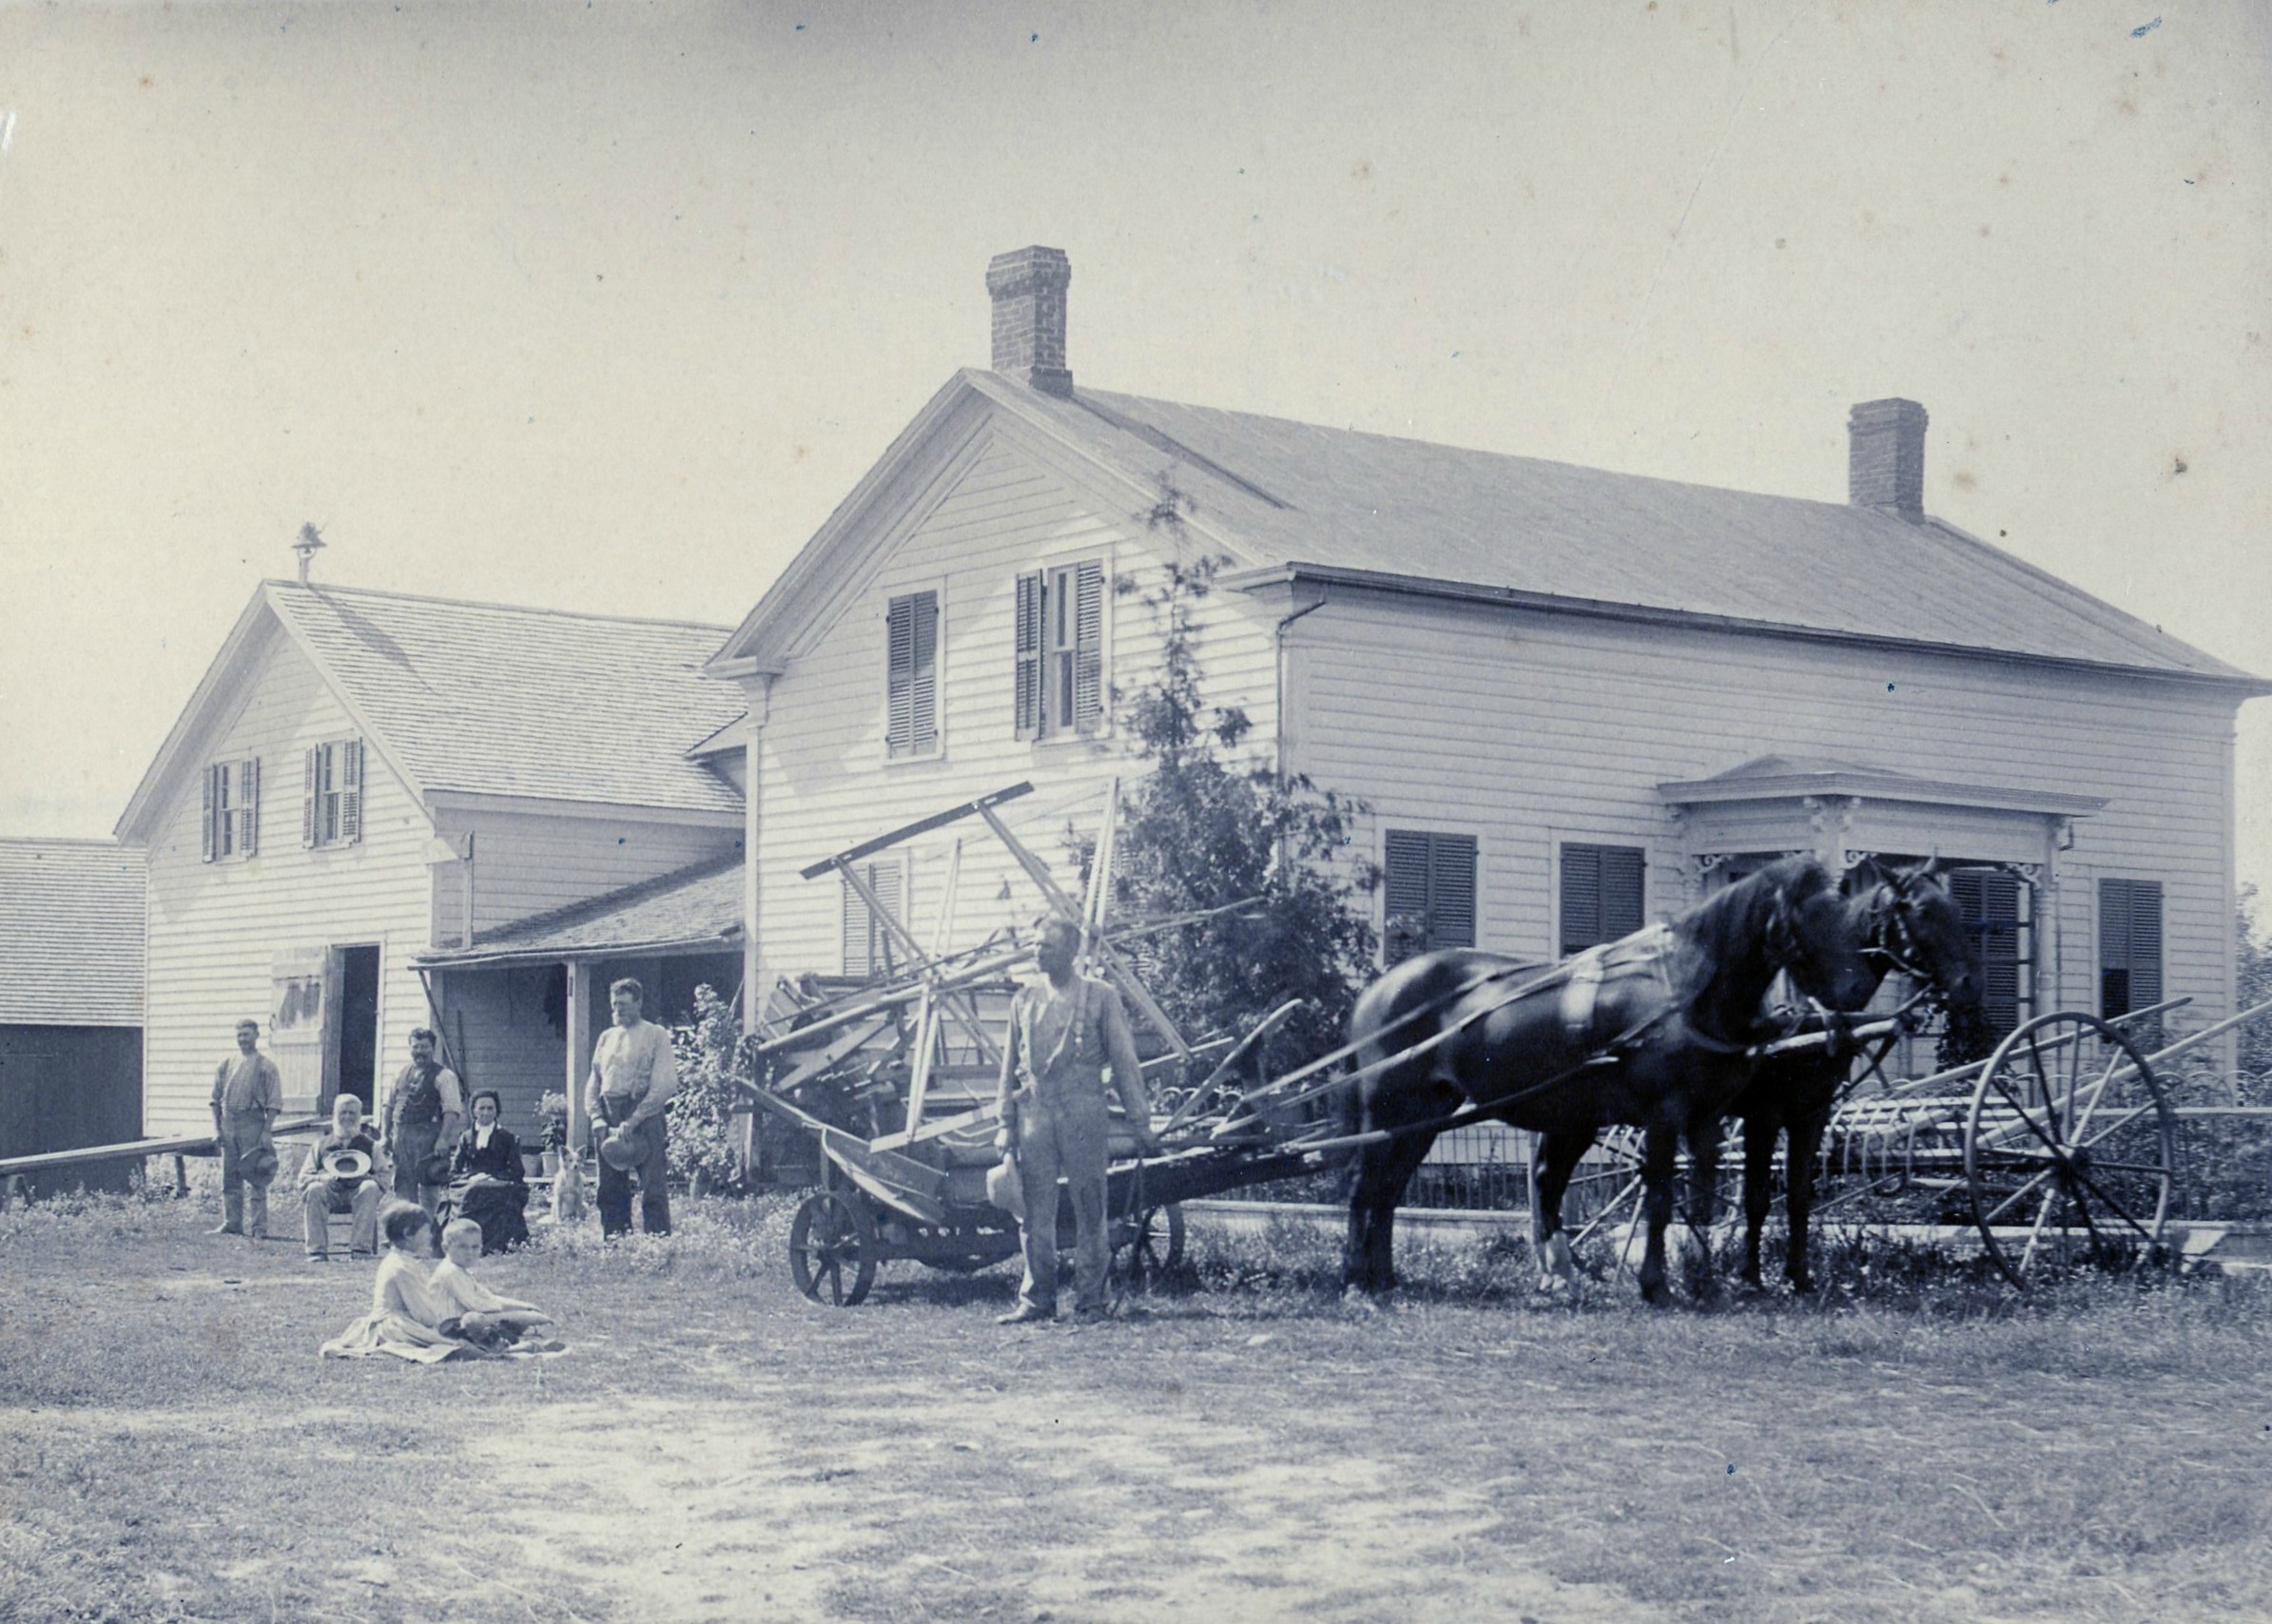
<point>1885,457</point>
<point>1029,317</point>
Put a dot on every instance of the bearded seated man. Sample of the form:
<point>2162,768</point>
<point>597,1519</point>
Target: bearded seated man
<point>331,1182</point>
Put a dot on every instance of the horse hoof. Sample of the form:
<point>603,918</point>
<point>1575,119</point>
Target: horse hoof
<point>1801,1286</point>
<point>1356,1299</point>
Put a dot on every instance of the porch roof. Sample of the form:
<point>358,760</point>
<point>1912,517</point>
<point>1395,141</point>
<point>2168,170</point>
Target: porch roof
<point>692,909</point>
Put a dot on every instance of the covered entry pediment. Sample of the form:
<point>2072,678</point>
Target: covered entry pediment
<point>1839,811</point>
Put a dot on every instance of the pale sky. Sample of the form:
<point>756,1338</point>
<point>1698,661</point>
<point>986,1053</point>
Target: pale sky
<point>605,309</point>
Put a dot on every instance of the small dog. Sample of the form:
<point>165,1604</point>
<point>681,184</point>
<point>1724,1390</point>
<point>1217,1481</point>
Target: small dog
<point>568,1192</point>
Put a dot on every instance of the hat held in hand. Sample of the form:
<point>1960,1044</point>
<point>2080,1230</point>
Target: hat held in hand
<point>621,1151</point>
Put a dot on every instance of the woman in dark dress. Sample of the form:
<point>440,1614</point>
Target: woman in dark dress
<point>491,1186</point>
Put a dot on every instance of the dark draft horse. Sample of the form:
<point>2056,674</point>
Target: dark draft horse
<point>1659,1039</point>
<point>1901,919</point>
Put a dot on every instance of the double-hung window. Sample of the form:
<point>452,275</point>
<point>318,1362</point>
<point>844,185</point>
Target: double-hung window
<point>869,946</point>
<point>331,805</point>
<point>231,809</point>
<point>911,709</point>
<point>1604,893</point>
<point>1060,651</point>
<point>2130,946</point>
<point>1427,883</point>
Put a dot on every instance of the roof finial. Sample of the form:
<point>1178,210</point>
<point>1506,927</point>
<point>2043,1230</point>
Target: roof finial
<point>311,539</point>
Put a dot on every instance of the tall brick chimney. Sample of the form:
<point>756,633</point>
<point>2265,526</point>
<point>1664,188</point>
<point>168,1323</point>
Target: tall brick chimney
<point>1885,457</point>
<point>1029,317</point>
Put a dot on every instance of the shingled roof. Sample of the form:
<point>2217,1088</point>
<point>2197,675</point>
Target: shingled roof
<point>1373,509</point>
<point>70,933</point>
<point>490,699</point>
<point>693,907</point>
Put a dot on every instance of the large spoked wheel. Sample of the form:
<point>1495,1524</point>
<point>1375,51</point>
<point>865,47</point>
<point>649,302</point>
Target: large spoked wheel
<point>1154,1247</point>
<point>2070,1150</point>
<point>833,1248</point>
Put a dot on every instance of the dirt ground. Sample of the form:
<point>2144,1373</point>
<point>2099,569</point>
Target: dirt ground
<point>714,1447</point>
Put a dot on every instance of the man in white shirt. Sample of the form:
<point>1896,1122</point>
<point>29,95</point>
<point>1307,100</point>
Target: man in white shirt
<point>634,1075</point>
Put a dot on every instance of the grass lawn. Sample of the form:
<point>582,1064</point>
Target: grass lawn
<point>714,1447</point>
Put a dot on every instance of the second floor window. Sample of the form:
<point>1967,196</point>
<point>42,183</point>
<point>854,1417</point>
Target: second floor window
<point>1060,651</point>
<point>911,639</point>
<point>331,808</point>
<point>231,809</point>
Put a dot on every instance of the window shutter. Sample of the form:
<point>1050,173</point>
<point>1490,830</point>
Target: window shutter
<point>1451,891</point>
<point>899,641</point>
<point>2146,943</point>
<point>866,943</point>
<point>925,706</point>
<point>1029,655</point>
<point>1088,644</point>
<point>351,791</point>
<point>248,773</point>
<point>856,928</point>
<point>1581,897</point>
<point>205,803</point>
<point>1625,880</point>
<point>311,792</point>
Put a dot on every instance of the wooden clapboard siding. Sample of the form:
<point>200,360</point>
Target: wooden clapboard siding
<point>526,864</point>
<point>501,1036</point>
<point>1528,729</point>
<point>826,781</point>
<point>217,929</point>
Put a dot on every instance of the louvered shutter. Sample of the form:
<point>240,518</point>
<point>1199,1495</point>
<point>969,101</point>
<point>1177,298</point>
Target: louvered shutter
<point>1088,644</point>
<point>1581,897</point>
<point>248,812</point>
<point>1451,892</point>
<point>311,795</point>
<point>1029,655</point>
<point>206,819</point>
<point>2146,943</point>
<point>351,791</point>
<point>855,929</point>
<point>2130,946</point>
<point>1625,880</point>
<point>1404,893</point>
<point>899,640</point>
<point>925,707</point>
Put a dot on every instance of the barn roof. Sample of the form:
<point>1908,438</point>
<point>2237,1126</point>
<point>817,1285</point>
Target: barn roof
<point>490,699</point>
<point>1375,510</point>
<point>70,933</point>
<point>699,906</point>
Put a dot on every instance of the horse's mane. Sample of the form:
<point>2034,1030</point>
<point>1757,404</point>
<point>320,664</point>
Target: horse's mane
<point>1715,932</point>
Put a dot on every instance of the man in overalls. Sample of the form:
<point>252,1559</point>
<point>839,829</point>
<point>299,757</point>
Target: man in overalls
<point>248,1095</point>
<point>634,1075</point>
<point>1065,1029</point>
<point>423,1111</point>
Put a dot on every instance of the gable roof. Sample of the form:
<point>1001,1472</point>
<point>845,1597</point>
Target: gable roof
<point>1793,778</point>
<point>70,933</point>
<point>485,699</point>
<point>1375,510</point>
<point>698,906</point>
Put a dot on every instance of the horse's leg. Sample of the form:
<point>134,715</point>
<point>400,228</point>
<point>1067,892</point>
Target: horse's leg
<point>1554,1162</point>
<point>1660,1161</point>
<point>1759,1131</point>
<point>1703,1188</point>
<point>1798,1192</point>
<point>1357,1244</point>
<point>1400,1158</point>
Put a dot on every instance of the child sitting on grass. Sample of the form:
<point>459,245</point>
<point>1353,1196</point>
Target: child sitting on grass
<point>481,1315</point>
<point>408,1318</point>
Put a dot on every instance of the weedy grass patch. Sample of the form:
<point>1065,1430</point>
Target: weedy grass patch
<point>1239,1444</point>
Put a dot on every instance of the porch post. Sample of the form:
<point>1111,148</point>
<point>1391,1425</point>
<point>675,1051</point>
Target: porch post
<point>579,1048</point>
<point>759,691</point>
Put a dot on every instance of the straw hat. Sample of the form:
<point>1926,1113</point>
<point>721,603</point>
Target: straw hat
<point>621,1151</point>
<point>1005,1190</point>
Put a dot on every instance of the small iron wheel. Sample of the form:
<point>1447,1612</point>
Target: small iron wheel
<point>1153,1248</point>
<point>833,1248</point>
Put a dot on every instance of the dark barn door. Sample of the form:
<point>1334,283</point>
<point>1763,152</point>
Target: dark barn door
<point>358,1023</point>
<point>62,1088</point>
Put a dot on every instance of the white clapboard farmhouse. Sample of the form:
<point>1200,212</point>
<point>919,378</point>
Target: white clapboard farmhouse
<point>1571,698</point>
<point>364,779</point>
